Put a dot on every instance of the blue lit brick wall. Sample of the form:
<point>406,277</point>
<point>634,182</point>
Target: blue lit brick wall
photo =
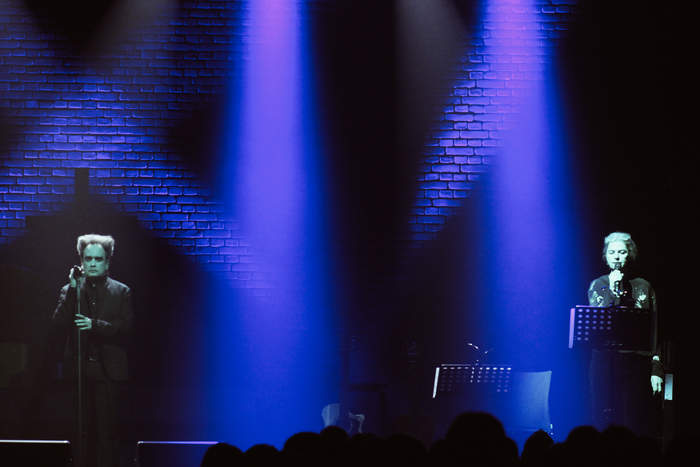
<point>481,104</point>
<point>113,116</point>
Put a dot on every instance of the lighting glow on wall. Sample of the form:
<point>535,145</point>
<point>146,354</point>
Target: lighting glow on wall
<point>530,265</point>
<point>275,363</point>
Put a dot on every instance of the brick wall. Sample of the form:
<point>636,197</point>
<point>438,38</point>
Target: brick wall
<point>482,103</point>
<point>113,116</point>
<point>60,111</point>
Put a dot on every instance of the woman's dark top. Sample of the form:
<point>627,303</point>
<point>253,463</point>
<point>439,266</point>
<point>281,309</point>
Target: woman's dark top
<point>635,293</point>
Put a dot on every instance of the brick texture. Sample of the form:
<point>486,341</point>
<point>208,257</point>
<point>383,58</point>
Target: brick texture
<point>482,102</point>
<point>113,116</point>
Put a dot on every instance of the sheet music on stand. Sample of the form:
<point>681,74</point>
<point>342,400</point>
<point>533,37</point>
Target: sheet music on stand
<point>609,328</point>
<point>472,377</point>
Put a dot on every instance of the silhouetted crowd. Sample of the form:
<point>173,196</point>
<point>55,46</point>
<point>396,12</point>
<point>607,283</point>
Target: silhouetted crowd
<point>473,439</point>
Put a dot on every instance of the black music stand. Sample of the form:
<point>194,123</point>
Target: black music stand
<point>470,387</point>
<point>465,378</point>
<point>609,328</point>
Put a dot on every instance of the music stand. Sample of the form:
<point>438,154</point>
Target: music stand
<point>609,328</point>
<point>470,387</point>
<point>472,377</point>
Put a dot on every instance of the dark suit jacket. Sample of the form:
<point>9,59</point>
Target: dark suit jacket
<point>108,303</point>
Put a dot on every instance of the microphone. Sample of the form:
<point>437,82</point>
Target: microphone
<point>617,286</point>
<point>77,272</point>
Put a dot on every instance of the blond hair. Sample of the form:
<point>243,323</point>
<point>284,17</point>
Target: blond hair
<point>621,237</point>
<point>105,241</point>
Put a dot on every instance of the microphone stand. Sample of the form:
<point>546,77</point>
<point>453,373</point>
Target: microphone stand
<point>81,438</point>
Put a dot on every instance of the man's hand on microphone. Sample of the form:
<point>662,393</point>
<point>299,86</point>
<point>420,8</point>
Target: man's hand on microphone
<point>656,384</point>
<point>73,280</point>
<point>83,322</point>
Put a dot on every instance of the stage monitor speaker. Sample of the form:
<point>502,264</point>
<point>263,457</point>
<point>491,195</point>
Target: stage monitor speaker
<point>171,453</point>
<point>35,452</point>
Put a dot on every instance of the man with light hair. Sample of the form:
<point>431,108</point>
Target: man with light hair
<point>104,321</point>
<point>626,384</point>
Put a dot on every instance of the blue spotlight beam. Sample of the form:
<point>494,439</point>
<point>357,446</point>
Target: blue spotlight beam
<point>532,265</point>
<point>274,363</point>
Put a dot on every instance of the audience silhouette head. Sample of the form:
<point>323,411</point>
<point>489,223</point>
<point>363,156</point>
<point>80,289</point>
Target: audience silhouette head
<point>472,439</point>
